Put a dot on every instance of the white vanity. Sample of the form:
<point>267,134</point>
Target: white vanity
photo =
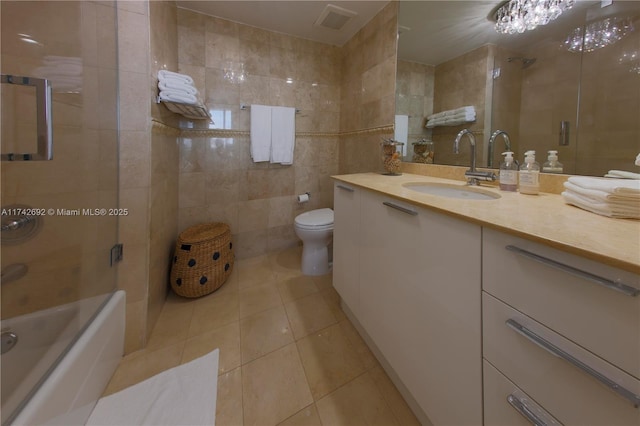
<point>484,320</point>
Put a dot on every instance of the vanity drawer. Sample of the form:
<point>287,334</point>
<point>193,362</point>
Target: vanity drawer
<point>550,286</point>
<point>507,405</point>
<point>558,374</point>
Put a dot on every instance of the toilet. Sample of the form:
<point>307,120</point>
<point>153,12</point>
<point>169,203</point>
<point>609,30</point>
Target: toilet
<point>315,229</point>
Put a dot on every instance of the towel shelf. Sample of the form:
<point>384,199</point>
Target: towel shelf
<point>196,112</point>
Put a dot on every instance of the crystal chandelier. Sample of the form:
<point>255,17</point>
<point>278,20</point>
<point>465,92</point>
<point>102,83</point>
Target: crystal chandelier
<point>598,34</point>
<point>517,16</point>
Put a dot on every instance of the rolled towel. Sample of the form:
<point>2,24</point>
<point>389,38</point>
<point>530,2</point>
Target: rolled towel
<point>622,174</point>
<point>619,187</point>
<point>175,85</point>
<point>163,74</point>
<point>180,97</point>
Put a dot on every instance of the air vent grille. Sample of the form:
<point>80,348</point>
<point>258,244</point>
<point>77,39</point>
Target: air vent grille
<point>334,17</point>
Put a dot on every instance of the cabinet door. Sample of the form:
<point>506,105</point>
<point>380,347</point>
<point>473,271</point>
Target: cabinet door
<point>420,303</point>
<point>346,239</point>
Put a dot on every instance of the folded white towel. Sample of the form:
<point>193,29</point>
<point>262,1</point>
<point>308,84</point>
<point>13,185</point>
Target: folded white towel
<point>622,174</point>
<point>180,97</point>
<point>450,121</point>
<point>603,197</point>
<point>163,74</point>
<point>619,187</point>
<point>470,109</point>
<point>177,86</point>
<point>260,133</point>
<point>53,59</point>
<point>604,209</point>
<point>283,134</point>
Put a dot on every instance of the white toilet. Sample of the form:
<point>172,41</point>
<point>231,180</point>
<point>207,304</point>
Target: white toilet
<point>315,229</point>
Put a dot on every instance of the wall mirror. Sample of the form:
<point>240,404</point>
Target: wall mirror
<point>572,85</point>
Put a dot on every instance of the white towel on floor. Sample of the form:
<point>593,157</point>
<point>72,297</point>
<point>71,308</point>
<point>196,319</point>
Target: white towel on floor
<point>162,74</point>
<point>184,395</point>
<point>283,134</point>
<point>260,133</point>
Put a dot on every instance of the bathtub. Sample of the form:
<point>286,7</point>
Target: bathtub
<point>69,392</point>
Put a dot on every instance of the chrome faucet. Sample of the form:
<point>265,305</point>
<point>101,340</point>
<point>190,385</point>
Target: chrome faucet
<point>473,176</point>
<point>492,140</point>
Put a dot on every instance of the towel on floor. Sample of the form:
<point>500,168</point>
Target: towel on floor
<point>163,74</point>
<point>283,134</point>
<point>260,133</point>
<point>183,395</point>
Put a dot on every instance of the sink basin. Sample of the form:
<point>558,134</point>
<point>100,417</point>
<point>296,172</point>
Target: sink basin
<point>452,191</point>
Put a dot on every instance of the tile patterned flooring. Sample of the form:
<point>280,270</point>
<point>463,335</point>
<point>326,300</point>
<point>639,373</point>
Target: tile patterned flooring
<point>288,354</point>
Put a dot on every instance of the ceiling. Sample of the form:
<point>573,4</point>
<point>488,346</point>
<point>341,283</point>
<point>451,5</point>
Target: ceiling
<point>290,17</point>
<point>439,30</point>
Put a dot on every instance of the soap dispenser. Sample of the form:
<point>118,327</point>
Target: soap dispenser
<point>552,165</point>
<point>508,173</point>
<point>530,174</point>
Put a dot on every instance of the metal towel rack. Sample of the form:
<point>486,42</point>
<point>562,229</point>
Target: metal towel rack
<point>43,119</point>
<point>244,107</point>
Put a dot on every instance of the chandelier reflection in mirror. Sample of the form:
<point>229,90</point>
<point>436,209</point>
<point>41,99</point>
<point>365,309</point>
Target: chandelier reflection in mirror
<point>518,16</point>
<point>598,34</point>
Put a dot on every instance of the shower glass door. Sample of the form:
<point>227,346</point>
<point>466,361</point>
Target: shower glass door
<point>58,214</point>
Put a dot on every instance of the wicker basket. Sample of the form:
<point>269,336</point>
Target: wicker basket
<point>203,259</point>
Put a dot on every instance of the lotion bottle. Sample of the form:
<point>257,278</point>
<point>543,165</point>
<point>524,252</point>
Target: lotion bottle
<point>552,164</point>
<point>530,174</point>
<point>508,173</point>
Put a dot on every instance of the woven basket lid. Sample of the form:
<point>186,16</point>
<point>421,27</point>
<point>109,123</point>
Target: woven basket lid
<point>203,232</point>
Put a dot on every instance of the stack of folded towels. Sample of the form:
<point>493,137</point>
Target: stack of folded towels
<point>453,117</point>
<point>175,87</point>
<point>64,72</point>
<point>619,198</point>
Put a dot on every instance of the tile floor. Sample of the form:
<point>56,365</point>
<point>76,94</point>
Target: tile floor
<point>288,354</point>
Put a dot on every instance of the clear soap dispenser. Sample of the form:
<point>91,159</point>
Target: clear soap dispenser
<point>552,165</point>
<point>508,173</point>
<point>530,174</point>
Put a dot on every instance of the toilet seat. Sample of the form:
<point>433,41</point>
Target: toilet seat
<point>320,219</point>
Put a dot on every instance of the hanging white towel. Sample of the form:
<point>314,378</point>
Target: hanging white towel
<point>401,131</point>
<point>260,133</point>
<point>283,134</point>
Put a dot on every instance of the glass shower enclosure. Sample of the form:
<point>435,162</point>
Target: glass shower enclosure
<point>59,171</point>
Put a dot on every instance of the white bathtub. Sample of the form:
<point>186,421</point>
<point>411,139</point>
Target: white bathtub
<point>71,390</point>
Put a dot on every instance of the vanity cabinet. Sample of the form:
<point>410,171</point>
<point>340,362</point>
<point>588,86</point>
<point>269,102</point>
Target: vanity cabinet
<point>417,275</point>
<point>346,251</point>
<point>563,329</point>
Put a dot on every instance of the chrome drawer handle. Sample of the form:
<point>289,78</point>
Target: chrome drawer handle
<point>613,285</point>
<point>346,188</point>
<point>528,413</point>
<point>556,351</point>
<point>402,209</point>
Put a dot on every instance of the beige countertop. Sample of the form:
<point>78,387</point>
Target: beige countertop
<point>543,218</point>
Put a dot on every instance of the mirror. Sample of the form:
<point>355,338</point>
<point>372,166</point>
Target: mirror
<point>564,86</point>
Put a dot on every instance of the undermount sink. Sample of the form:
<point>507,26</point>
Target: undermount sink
<point>451,191</point>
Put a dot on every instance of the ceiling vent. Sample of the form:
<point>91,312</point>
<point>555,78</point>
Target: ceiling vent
<point>334,17</point>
